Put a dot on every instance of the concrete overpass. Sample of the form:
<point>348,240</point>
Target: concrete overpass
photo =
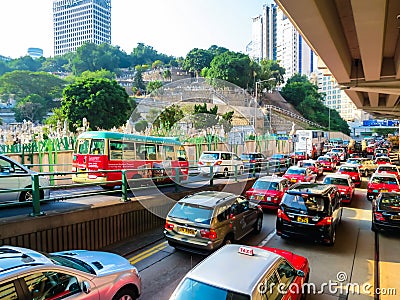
<point>358,41</point>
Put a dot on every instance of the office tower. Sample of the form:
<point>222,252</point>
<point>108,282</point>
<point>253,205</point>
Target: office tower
<point>80,21</point>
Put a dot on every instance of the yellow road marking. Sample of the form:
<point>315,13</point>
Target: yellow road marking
<point>147,253</point>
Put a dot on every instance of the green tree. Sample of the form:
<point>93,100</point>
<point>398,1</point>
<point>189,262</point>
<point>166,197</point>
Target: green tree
<point>226,121</point>
<point>233,67</point>
<point>141,125</point>
<point>196,60</point>
<point>153,85</point>
<point>103,102</point>
<point>138,82</point>
<point>167,74</point>
<point>32,108</point>
<point>168,117</point>
<point>203,117</point>
<point>26,63</point>
<point>98,74</point>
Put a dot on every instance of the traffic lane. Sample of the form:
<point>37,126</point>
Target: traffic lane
<point>162,267</point>
<point>330,265</point>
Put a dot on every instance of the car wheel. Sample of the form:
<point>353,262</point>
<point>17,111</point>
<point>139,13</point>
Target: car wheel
<point>366,173</point>
<point>226,173</point>
<point>332,237</point>
<point>107,187</point>
<point>304,291</point>
<point>373,227</point>
<point>241,171</point>
<point>27,196</point>
<point>228,240</point>
<point>126,294</point>
<point>258,225</point>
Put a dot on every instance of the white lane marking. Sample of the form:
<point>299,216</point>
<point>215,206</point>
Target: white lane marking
<point>267,239</point>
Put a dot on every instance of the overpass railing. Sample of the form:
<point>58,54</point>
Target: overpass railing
<point>61,186</point>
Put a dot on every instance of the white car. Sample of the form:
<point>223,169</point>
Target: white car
<point>15,176</point>
<point>222,162</point>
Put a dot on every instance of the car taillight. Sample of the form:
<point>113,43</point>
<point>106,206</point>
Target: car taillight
<point>325,221</point>
<point>282,215</point>
<point>378,216</point>
<point>200,163</point>
<point>252,160</point>
<point>218,162</point>
<point>275,199</point>
<point>208,234</point>
<point>168,226</point>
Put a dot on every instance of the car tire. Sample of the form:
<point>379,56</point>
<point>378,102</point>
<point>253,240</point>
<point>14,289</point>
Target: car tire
<point>373,227</point>
<point>126,294</point>
<point>107,187</point>
<point>332,237</point>
<point>304,290</point>
<point>226,173</point>
<point>228,240</point>
<point>26,196</point>
<point>366,173</point>
<point>258,225</point>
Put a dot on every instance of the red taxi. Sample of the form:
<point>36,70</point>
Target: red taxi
<point>381,160</point>
<point>380,183</point>
<point>300,174</point>
<point>389,169</point>
<point>268,191</point>
<point>335,156</point>
<point>313,165</point>
<point>344,185</point>
<point>264,273</point>
<point>353,171</point>
<point>298,155</point>
<point>327,163</point>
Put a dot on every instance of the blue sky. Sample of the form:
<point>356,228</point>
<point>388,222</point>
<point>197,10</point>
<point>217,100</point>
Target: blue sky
<point>172,27</point>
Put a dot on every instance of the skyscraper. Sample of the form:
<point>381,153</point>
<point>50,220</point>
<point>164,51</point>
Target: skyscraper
<point>76,22</point>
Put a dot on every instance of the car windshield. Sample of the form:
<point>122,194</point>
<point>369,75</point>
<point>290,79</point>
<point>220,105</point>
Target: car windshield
<point>383,180</point>
<point>265,185</point>
<point>382,159</point>
<point>209,156</point>
<point>310,204</point>
<point>308,164</point>
<point>390,202</point>
<point>347,169</point>
<point>194,290</point>
<point>387,169</point>
<point>191,212</point>
<point>338,181</point>
<point>295,171</point>
<point>324,158</point>
<point>354,161</point>
<point>70,262</point>
<point>247,156</point>
<point>277,156</point>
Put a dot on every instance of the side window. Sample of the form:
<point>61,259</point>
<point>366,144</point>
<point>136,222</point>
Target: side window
<point>5,166</point>
<point>286,274</point>
<point>223,213</point>
<point>97,146</point>
<point>51,285</point>
<point>267,289</point>
<point>7,291</point>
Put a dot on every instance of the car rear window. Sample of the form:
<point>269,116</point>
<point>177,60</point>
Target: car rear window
<point>383,180</point>
<point>348,169</point>
<point>387,169</point>
<point>390,202</point>
<point>209,156</point>
<point>310,204</point>
<point>247,156</point>
<point>265,185</point>
<point>339,181</point>
<point>293,171</point>
<point>192,212</point>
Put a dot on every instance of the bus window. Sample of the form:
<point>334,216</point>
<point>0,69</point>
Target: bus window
<point>181,154</point>
<point>97,146</point>
<point>151,151</point>
<point>115,150</point>
<point>168,152</point>
<point>83,147</point>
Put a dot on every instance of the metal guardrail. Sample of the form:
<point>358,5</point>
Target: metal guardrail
<point>127,185</point>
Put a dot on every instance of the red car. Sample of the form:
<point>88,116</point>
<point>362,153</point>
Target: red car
<point>381,160</point>
<point>388,169</point>
<point>299,174</point>
<point>353,171</point>
<point>335,156</point>
<point>268,191</point>
<point>380,183</point>
<point>327,163</point>
<point>344,184</point>
<point>298,155</point>
<point>313,165</point>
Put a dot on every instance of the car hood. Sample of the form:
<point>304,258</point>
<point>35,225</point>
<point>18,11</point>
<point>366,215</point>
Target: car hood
<point>299,262</point>
<point>103,263</point>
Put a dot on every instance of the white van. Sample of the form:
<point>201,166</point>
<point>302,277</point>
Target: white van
<point>223,163</point>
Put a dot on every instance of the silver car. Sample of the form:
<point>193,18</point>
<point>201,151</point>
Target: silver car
<point>14,176</point>
<point>74,274</point>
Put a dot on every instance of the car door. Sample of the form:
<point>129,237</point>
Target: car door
<point>8,181</point>
<point>244,217</point>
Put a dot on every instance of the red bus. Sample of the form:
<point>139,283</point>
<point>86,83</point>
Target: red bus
<point>146,157</point>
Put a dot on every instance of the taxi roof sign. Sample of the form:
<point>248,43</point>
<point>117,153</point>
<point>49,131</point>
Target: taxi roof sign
<point>246,250</point>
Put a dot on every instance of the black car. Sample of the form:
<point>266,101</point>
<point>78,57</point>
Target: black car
<point>386,212</point>
<point>310,211</point>
<point>253,161</point>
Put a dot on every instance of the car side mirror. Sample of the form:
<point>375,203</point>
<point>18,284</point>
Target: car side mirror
<point>86,287</point>
<point>300,273</point>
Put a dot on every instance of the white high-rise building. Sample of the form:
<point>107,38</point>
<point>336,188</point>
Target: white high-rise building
<point>274,37</point>
<point>76,22</point>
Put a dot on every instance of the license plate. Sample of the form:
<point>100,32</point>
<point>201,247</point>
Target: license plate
<point>187,231</point>
<point>293,180</point>
<point>384,191</point>
<point>260,197</point>
<point>208,164</point>
<point>395,218</point>
<point>302,219</point>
